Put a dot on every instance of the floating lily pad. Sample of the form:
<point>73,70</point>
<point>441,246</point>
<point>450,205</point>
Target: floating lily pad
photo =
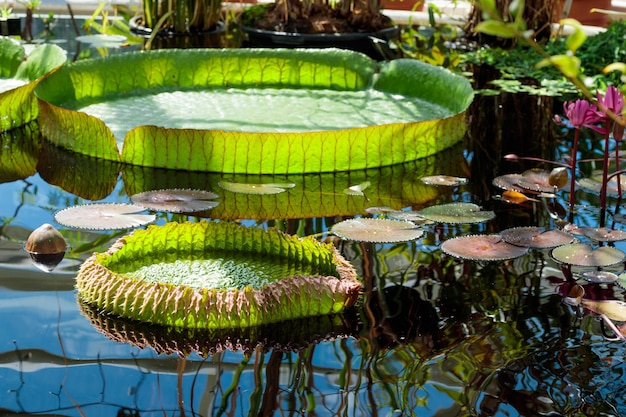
<point>613,309</point>
<point>593,184</point>
<point>537,180</point>
<point>457,213</point>
<point>83,108</point>
<point>19,75</point>
<point>244,188</point>
<point>482,248</point>
<point>509,182</point>
<point>104,216</point>
<point>217,275</point>
<point>444,180</point>
<point>357,190</point>
<point>176,200</point>
<point>376,230</point>
<point>598,277</point>
<point>536,237</point>
<point>600,234</point>
<point>580,254</point>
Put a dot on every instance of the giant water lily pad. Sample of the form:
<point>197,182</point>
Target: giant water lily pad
<point>19,74</point>
<point>217,275</point>
<point>264,111</point>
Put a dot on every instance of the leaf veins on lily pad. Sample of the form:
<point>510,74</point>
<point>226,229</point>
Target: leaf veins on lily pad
<point>482,248</point>
<point>376,230</point>
<point>536,237</point>
<point>247,188</point>
<point>580,254</point>
<point>103,216</point>
<point>457,213</point>
<point>537,180</point>
<point>176,200</point>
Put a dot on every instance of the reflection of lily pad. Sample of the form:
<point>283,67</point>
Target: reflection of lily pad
<point>18,104</point>
<point>104,216</point>
<point>482,248</point>
<point>261,188</point>
<point>457,213</point>
<point>580,254</point>
<point>435,122</point>
<point>290,277</point>
<point>176,200</point>
<point>613,309</point>
<point>376,230</point>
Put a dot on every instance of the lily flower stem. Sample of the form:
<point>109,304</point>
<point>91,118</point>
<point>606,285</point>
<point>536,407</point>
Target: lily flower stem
<point>605,175</point>
<point>572,164</point>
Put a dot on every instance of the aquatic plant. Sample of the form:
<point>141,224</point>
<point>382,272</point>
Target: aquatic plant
<point>213,275</point>
<point>19,75</point>
<point>428,128</point>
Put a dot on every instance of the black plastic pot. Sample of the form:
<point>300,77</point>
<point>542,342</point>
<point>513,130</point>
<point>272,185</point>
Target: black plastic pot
<point>180,40</point>
<point>376,45</point>
<point>10,26</point>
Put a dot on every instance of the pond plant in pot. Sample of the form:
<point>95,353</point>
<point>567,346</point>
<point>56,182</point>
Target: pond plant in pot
<point>10,24</point>
<point>180,24</point>
<point>359,25</point>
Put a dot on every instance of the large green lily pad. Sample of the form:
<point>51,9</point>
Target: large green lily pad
<point>357,93</point>
<point>215,275</point>
<point>19,74</point>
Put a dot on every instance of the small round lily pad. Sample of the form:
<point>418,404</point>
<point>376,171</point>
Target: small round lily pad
<point>536,237</point>
<point>482,248</point>
<point>457,213</point>
<point>176,200</point>
<point>248,188</point>
<point>580,254</point>
<point>444,180</point>
<point>104,216</point>
<point>376,230</point>
<point>600,234</point>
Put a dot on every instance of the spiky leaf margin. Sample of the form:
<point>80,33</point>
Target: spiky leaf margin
<point>19,106</point>
<point>182,306</point>
<point>245,152</point>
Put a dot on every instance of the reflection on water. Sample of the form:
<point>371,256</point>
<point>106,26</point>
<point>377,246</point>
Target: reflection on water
<point>434,336</point>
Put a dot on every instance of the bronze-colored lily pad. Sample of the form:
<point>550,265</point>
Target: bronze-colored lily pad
<point>457,213</point>
<point>536,237</point>
<point>482,248</point>
<point>600,234</point>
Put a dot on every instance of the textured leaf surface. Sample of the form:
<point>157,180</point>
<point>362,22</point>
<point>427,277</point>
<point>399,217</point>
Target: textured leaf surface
<point>252,152</point>
<point>18,106</point>
<point>377,230</point>
<point>106,280</point>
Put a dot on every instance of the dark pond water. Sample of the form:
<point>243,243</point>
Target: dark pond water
<point>433,335</point>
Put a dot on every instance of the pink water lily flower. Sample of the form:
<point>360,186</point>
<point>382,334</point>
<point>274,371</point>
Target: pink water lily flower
<point>613,101</point>
<point>581,114</point>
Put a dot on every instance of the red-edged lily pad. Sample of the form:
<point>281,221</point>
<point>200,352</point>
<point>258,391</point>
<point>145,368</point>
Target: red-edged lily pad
<point>376,230</point>
<point>176,200</point>
<point>580,254</point>
<point>104,216</point>
<point>536,237</point>
<point>482,248</point>
<point>457,213</point>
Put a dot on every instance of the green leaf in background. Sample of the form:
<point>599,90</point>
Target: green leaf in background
<point>18,105</point>
<point>215,275</point>
<point>253,152</point>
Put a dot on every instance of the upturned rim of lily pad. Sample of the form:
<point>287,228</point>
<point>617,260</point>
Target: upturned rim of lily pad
<point>109,280</point>
<point>482,248</point>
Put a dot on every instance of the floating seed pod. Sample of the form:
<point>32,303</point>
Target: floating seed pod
<point>558,177</point>
<point>46,247</point>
